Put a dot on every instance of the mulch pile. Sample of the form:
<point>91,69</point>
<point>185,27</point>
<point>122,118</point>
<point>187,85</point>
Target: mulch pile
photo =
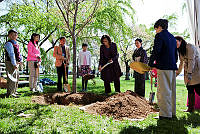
<point>119,106</point>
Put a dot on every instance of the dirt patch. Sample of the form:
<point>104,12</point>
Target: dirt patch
<point>66,98</point>
<point>119,106</point>
<point>122,106</point>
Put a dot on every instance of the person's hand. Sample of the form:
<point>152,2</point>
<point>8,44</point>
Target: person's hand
<point>189,77</point>
<point>100,69</point>
<point>19,63</point>
<point>177,73</point>
<point>16,67</point>
<point>152,68</point>
<point>62,58</point>
<point>150,73</point>
<point>138,59</point>
<point>110,61</point>
<point>89,70</point>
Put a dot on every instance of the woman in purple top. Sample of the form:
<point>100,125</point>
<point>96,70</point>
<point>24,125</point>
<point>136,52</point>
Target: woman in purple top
<point>112,72</point>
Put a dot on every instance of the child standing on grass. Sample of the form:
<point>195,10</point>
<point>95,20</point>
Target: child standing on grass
<point>84,64</point>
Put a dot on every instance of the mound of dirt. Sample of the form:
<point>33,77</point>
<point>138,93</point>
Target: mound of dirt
<point>66,98</point>
<point>122,105</point>
<point>119,106</point>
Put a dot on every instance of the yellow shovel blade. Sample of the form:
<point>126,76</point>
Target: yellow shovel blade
<point>140,67</point>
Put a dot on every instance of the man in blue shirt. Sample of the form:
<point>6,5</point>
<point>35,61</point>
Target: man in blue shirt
<point>165,56</point>
<point>12,59</point>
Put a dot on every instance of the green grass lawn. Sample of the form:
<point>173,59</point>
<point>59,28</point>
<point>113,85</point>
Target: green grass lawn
<point>69,119</point>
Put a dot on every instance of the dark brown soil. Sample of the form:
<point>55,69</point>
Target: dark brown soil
<point>119,106</point>
<point>122,105</point>
<point>66,98</point>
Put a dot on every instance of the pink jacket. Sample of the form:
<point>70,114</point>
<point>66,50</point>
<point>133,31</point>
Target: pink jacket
<point>33,52</point>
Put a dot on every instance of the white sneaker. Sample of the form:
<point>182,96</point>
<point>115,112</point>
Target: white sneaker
<point>14,95</point>
<point>34,90</point>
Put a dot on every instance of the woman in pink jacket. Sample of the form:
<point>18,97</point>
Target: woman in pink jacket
<point>33,61</point>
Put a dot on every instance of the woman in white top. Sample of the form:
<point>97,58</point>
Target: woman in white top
<point>84,64</point>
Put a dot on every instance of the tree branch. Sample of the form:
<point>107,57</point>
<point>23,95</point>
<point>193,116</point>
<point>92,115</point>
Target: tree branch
<point>67,22</point>
<point>45,38</point>
<point>89,18</point>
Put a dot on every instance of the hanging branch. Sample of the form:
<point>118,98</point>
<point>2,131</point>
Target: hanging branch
<point>46,38</point>
<point>66,20</point>
<point>89,18</point>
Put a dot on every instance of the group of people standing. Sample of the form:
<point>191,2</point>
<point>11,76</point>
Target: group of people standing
<point>163,58</point>
<point>13,60</point>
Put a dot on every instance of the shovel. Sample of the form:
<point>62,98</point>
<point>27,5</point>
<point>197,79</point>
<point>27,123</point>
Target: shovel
<point>152,94</point>
<point>67,87</point>
<point>140,67</point>
<point>39,85</point>
<point>91,76</point>
<point>11,76</point>
<point>106,65</point>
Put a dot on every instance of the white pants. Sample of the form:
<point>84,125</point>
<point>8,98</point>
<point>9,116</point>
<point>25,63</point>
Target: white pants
<point>166,93</point>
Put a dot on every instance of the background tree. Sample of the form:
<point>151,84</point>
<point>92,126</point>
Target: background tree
<point>29,17</point>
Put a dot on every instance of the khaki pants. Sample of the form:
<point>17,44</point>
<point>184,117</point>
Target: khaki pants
<point>11,86</point>
<point>166,93</point>
<point>33,77</point>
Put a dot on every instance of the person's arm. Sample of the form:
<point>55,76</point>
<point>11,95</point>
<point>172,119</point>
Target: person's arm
<point>180,66</point>
<point>9,48</point>
<point>56,55</point>
<point>133,56</point>
<point>115,53</point>
<point>79,60</point>
<point>67,55</point>
<point>89,54</point>
<point>89,58</point>
<point>156,50</point>
<point>143,57</point>
<point>191,59</point>
<point>101,57</point>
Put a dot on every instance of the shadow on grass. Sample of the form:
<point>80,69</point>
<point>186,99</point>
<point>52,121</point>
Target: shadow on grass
<point>174,126</point>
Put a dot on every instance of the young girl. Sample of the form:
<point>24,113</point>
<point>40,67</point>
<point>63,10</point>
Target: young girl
<point>84,64</point>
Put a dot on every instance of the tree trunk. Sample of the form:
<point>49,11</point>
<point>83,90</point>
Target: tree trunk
<point>74,64</point>
<point>127,71</point>
<point>77,70</point>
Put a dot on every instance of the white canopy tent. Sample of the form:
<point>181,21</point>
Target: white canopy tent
<point>194,14</point>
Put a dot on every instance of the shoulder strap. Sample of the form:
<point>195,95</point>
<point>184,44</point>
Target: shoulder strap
<point>10,41</point>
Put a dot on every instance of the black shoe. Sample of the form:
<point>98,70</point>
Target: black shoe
<point>107,94</point>
<point>164,118</point>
